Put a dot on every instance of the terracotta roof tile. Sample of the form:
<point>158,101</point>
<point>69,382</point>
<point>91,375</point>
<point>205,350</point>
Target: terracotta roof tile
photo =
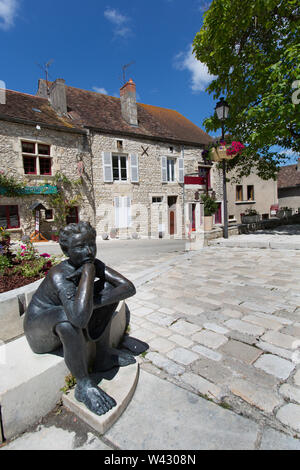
<point>32,108</point>
<point>288,176</point>
<point>104,112</point>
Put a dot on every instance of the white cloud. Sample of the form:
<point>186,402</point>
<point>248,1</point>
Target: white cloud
<point>200,77</point>
<point>119,21</point>
<point>8,10</point>
<point>100,90</point>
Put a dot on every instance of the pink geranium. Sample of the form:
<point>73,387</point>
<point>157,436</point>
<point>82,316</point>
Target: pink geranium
<point>45,255</point>
<point>234,148</point>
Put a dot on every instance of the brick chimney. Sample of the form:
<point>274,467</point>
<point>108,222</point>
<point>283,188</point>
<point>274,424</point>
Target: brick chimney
<point>128,103</point>
<point>56,93</point>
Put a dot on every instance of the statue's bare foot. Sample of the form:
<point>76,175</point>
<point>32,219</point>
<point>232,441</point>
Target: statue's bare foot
<point>95,399</point>
<point>109,358</point>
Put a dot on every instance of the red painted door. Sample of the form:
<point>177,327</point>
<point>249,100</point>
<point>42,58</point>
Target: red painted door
<point>172,222</point>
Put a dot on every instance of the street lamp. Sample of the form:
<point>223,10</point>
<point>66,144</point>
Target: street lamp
<point>222,110</point>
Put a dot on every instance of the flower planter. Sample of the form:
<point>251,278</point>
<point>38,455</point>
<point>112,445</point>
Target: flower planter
<point>219,154</point>
<point>250,219</point>
<point>208,223</point>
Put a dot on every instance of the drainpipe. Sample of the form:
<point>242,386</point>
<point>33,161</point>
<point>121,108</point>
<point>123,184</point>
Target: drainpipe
<point>183,197</point>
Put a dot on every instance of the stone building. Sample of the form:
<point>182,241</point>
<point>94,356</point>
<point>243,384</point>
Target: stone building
<point>288,182</point>
<point>250,192</point>
<point>137,170</point>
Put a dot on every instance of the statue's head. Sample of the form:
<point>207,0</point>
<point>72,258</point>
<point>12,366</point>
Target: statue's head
<point>78,242</point>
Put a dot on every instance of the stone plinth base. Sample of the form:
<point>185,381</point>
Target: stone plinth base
<point>121,387</point>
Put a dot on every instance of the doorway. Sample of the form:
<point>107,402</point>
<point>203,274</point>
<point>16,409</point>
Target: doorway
<point>172,214</point>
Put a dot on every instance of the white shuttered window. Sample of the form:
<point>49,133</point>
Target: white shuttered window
<point>107,167</point>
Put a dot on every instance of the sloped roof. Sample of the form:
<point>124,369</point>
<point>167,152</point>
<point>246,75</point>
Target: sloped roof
<point>88,109</point>
<point>103,112</point>
<point>32,109</point>
<point>288,177</point>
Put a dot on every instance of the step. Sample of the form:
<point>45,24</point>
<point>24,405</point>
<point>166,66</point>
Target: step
<point>29,386</point>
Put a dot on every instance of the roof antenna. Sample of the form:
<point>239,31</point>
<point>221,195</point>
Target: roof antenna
<point>124,71</point>
<point>45,69</point>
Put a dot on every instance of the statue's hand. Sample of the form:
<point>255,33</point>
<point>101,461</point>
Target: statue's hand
<point>88,268</point>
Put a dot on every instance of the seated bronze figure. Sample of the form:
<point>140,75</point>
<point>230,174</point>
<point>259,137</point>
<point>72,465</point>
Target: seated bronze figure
<point>70,307</point>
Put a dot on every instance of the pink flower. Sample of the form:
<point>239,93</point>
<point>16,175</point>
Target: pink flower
<point>23,247</point>
<point>45,255</point>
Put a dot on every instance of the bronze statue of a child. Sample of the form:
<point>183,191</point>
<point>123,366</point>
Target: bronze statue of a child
<point>69,302</point>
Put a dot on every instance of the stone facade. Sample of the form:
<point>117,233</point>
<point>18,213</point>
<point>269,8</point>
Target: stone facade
<point>66,150</point>
<point>131,181</point>
<point>261,197</point>
<point>149,200</point>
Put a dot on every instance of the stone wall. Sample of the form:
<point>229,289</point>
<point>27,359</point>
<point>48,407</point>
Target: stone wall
<point>67,149</point>
<point>148,216</point>
<point>289,197</point>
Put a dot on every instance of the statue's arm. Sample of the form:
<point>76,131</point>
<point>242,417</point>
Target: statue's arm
<point>123,288</point>
<point>80,308</point>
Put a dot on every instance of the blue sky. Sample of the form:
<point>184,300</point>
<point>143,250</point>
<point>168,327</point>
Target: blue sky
<point>89,43</point>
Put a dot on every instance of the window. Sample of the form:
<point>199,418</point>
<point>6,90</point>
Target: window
<point>156,199</point>
<point>204,173</point>
<point>49,214</point>
<point>72,217</point>
<point>9,217</point>
<point>170,170</point>
<point>36,159</point>
<point>120,144</point>
<point>250,193</point>
<point>239,193</point>
<point>29,164</point>
<point>119,164</point>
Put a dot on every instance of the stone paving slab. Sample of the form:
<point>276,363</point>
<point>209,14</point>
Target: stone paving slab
<point>257,377</point>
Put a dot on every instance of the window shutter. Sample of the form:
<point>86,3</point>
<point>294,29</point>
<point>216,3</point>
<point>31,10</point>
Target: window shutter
<point>180,170</point>
<point>117,211</point>
<point>107,167</point>
<point>164,169</point>
<point>128,211</point>
<point>134,166</point>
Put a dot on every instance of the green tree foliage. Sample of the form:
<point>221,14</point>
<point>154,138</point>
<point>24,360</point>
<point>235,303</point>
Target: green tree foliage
<point>252,48</point>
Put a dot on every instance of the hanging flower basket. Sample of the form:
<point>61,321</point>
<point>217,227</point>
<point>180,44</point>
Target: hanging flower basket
<point>226,152</point>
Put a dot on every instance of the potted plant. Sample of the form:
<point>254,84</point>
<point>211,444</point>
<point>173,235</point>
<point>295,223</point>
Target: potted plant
<point>210,208</point>
<point>284,212</point>
<point>4,237</point>
<point>251,216</point>
<point>55,236</point>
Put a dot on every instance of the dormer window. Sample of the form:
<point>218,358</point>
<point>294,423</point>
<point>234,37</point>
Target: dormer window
<point>120,144</point>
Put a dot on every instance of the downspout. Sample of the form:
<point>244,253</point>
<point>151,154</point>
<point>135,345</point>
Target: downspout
<point>183,197</point>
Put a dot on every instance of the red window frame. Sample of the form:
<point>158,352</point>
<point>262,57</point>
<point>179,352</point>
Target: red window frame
<point>45,162</point>
<point>206,178</point>
<point>30,164</point>
<point>8,215</point>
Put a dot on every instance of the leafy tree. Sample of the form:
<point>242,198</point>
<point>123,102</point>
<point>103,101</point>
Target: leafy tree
<point>252,48</point>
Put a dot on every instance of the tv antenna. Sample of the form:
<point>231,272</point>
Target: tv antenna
<point>45,68</point>
<point>124,70</point>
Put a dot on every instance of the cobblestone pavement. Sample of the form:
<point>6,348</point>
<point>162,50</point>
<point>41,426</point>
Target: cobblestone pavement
<point>224,323</point>
<point>283,237</point>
